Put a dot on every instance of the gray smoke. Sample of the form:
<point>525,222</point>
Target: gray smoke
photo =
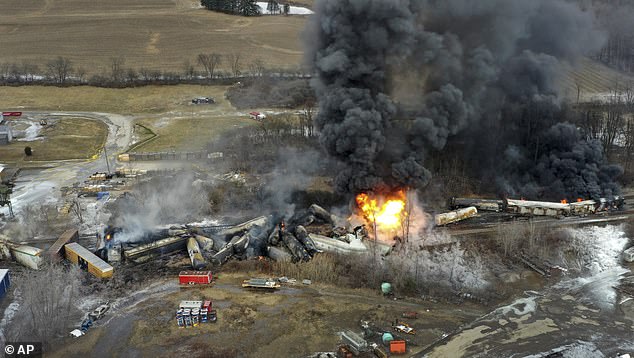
<point>400,79</point>
<point>165,200</point>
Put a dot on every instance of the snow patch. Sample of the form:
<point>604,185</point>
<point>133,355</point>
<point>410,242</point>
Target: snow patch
<point>32,132</point>
<point>205,222</point>
<point>599,250</point>
<point>579,349</point>
<point>520,307</point>
<point>9,313</point>
<point>32,192</point>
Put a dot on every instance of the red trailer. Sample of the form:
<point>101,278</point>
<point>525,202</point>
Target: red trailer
<point>11,114</point>
<point>195,277</point>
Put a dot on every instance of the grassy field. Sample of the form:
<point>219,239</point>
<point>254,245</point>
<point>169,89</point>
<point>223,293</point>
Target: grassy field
<point>155,34</point>
<point>166,110</point>
<point>189,133</point>
<point>149,99</point>
<point>65,138</point>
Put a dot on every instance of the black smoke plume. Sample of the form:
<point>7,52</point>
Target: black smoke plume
<point>398,80</point>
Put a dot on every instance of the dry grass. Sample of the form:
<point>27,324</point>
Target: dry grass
<point>189,133</point>
<point>149,99</point>
<point>66,138</point>
<point>323,268</point>
<point>179,126</point>
<point>158,34</point>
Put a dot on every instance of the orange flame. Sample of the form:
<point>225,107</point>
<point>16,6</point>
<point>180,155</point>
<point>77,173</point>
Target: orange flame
<point>579,200</point>
<point>386,212</point>
<point>564,201</point>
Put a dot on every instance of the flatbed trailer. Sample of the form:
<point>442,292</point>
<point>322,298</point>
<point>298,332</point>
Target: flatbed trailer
<point>261,283</point>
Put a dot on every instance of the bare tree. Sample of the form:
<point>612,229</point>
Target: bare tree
<point>81,74</point>
<point>47,309</point>
<point>4,70</point>
<point>76,208</point>
<point>613,121</point>
<point>578,86</point>
<point>30,70</point>
<point>117,72</point>
<point>234,62</point>
<point>307,116</point>
<point>628,128</point>
<point>59,69</point>
<point>210,61</point>
<point>188,70</point>
<point>15,73</point>
<point>257,68</point>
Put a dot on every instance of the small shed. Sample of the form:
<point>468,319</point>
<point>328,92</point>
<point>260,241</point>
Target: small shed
<point>5,282</point>
<point>6,136</point>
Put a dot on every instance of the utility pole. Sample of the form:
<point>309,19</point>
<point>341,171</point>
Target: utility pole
<point>106,155</point>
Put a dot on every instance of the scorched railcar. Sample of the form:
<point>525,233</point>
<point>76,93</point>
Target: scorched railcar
<point>537,208</point>
<point>480,204</point>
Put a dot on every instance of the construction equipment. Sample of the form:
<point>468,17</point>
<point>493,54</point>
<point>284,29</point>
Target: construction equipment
<point>404,328</point>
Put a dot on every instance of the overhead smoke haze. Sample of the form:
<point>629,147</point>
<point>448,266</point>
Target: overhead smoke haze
<point>294,170</point>
<point>400,80</point>
<point>158,202</point>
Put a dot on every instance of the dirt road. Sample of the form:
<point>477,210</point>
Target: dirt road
<point>42,185</point>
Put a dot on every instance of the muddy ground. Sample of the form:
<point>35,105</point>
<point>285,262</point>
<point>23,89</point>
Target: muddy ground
<point>293,321</point>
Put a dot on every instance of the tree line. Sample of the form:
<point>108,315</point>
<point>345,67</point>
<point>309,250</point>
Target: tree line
<point>244,7</point>
<point>233,7</point>
<point>615,18</point>
<point>206,69</point>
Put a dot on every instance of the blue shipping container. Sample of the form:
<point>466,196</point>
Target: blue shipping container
<point>5,282</point>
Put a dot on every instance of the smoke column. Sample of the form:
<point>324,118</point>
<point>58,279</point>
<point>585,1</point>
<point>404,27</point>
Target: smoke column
<point>398,80</point>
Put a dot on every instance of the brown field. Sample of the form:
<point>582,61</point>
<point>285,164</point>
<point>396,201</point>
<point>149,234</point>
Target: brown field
<point>66,138</point>
<point>155,34</point>
<point>592,77</point>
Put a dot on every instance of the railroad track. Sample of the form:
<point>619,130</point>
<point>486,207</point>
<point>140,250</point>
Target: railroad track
<point>493,226</point>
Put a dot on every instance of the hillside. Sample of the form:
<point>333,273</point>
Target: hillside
<point>594,79</point>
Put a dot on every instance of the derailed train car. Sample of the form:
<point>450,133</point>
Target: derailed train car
<point>478,203</point>
<point>537,208</point>
<point>87,261</point>
<point>541,208</point>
